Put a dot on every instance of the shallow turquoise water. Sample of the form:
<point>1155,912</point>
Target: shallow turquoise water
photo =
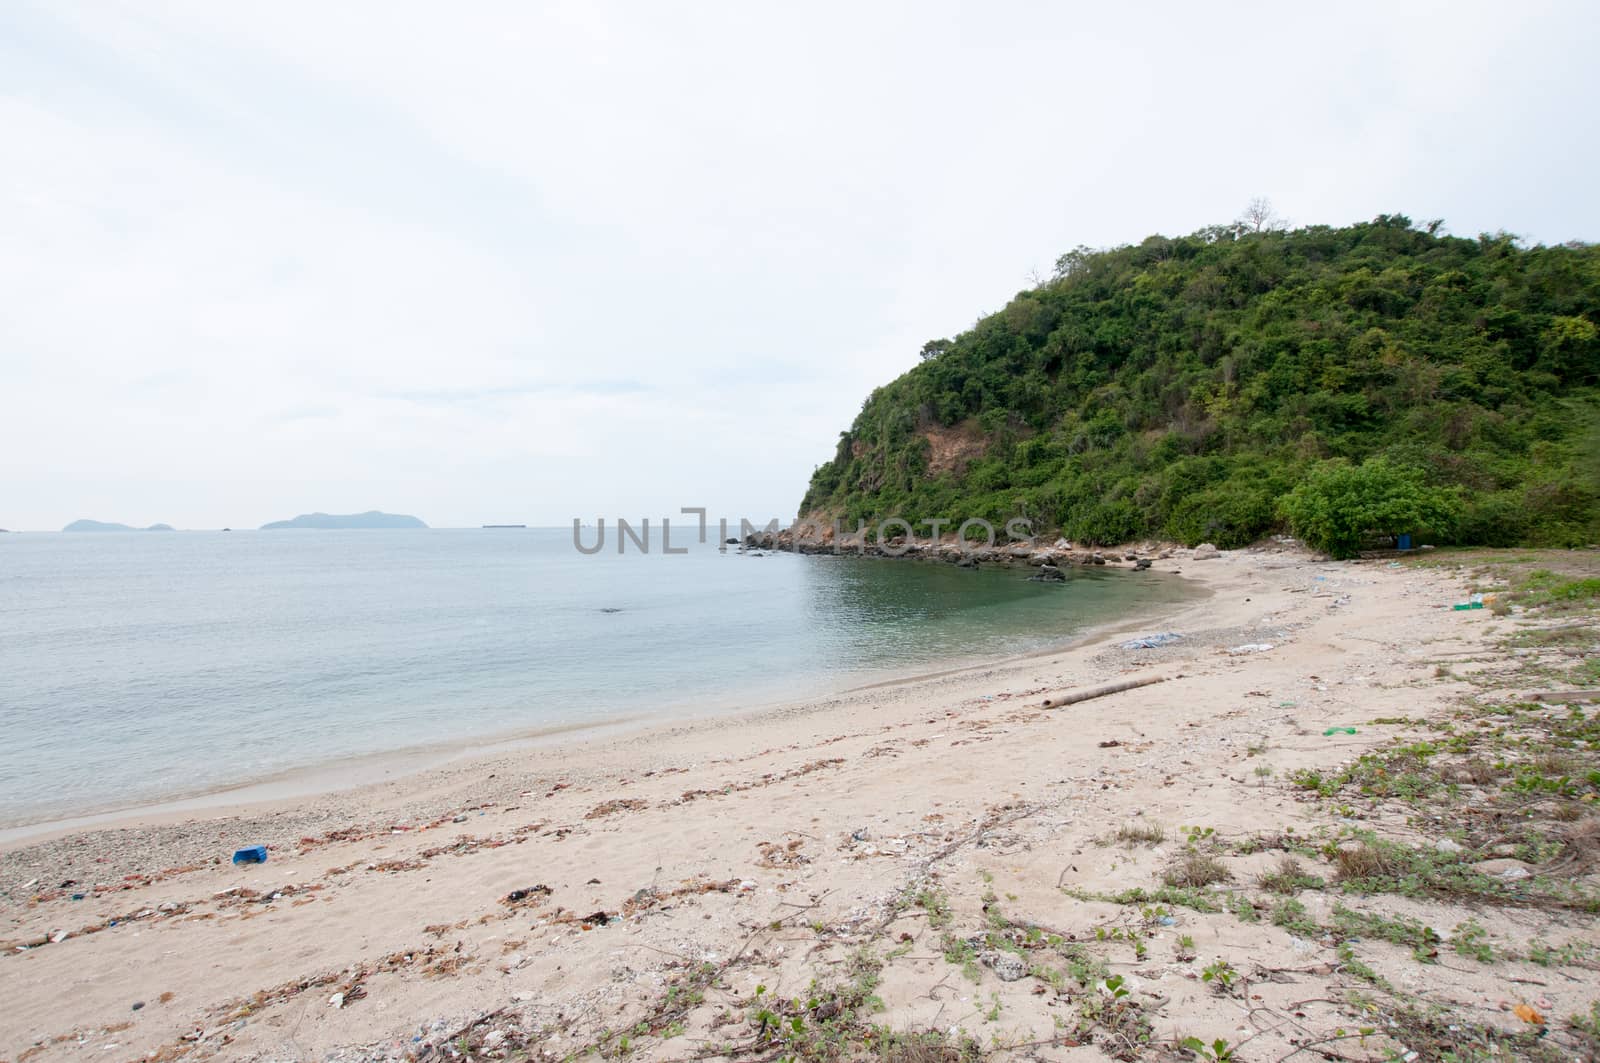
<point>140,666</point>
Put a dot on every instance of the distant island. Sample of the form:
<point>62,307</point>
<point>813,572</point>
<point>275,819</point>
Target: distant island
<point>369,519</point>
<point>108,526</point>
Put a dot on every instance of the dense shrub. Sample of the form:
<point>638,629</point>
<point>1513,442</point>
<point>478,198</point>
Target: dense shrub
<point>1230,516</point>
<point>1339,505</point>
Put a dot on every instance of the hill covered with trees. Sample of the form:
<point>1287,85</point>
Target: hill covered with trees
<point>1185,387</point>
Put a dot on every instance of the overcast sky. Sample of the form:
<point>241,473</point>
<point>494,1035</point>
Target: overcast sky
<point>523,262</point>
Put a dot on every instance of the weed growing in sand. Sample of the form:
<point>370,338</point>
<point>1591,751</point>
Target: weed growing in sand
<point>1470,939</point>
<point>1184,949</point>
<point>1243,908</point>
<point>1054,977</point>
<point>1402,772</point>
<point>936,903</point>
<point>1289,877</point>
<point>928,1046</point>
<point>1221,976</point>
<point>1263,773</point>
<point>1154,914</point>
<point>1353,966</point>
<point>1421,939</point>
<point>1314,780</point>
<point>1194,870</point>
<point>1218,1051</point>
<point>1134,938</point>
<point>963,954</point>
<point>1197,900</point>
<point>1293,917</point>
<point>1084,966</point>
<point>1286,840</point>
<point>1588,1025</point>
<point>1121,1028</point>
<point>1553,774</point>
<point>1572,954</point>
<point>1375,865</point>
<point>1443,1033</point>
<point>1131,834</point>
<point>825,1026</point>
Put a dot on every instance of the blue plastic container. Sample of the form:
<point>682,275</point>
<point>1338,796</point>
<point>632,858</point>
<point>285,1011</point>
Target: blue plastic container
<point>255,854</point>
<point>1403,542</point>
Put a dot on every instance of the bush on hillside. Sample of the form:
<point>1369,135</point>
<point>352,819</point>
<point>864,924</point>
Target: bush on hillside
<point>1339,505</point>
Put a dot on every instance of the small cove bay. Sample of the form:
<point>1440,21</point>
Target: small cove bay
<point>136,668</point>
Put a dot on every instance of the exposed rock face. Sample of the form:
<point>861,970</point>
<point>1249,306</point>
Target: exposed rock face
<point>1050,574</point>
<point>819,538</point>
<point>1206,551</point>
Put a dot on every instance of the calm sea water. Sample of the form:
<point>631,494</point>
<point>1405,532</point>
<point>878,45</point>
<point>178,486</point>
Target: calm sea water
<point>141,666</point>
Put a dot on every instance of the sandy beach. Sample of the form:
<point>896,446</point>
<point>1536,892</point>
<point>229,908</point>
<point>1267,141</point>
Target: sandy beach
<point>938,866</point>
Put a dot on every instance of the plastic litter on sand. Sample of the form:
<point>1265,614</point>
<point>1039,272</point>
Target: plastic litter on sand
<point>1150,642</point>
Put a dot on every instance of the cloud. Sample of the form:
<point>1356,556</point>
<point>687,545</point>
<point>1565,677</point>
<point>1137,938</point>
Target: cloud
<point>616,255</point>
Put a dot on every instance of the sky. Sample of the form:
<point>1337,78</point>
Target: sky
<point>512,262</point>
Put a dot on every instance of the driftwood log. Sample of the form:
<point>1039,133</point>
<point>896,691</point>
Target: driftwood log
<point>1101,691</point>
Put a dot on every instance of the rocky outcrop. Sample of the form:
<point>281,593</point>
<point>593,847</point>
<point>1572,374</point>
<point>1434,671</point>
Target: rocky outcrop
<point>1052,559</point>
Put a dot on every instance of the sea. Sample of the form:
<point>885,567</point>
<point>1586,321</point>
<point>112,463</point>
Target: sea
<point>146,667</point>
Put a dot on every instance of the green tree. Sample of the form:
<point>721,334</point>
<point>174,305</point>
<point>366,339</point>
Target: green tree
<point>1338,504</point>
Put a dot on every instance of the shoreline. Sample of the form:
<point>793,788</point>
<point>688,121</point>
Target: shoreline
<point>530,903</point>
<point>327,779</point>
